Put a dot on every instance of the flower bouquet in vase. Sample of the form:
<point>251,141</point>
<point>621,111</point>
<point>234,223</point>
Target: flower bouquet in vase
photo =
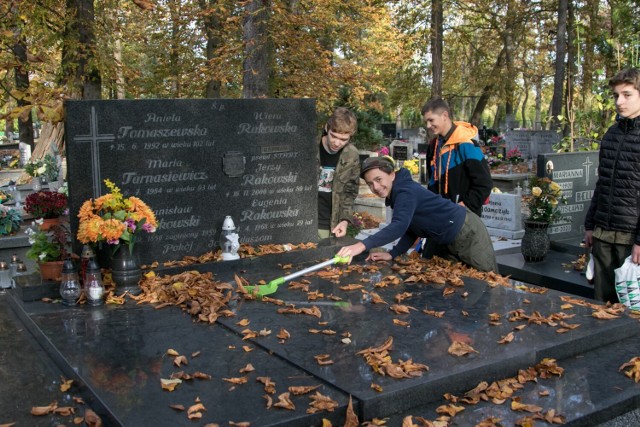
<point>116,221</point>
<point>543,204</point>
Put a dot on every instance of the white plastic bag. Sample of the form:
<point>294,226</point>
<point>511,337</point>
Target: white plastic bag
<point>589,270</point>
<point>628,285</point>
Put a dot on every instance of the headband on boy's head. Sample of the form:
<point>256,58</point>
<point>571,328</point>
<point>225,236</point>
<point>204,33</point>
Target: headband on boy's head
<point>385,164</point>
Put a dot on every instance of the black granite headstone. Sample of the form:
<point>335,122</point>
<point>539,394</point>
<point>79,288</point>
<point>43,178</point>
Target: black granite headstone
<point>388,130</point>
<point>576,174</point>
<point>196,161</point>
<point>530,143</point>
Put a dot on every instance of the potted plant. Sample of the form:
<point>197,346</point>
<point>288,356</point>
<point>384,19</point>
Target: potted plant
<point>117,221</point>
<point>543,204</point>
<point>49,248</point>
<point>10,220</point>
<point>47,168</point>
<point>48,205</point>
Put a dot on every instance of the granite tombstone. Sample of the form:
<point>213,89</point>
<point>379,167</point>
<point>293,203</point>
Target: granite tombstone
<point>196,161</point>
<point>576,173</point>
<point>530,143</point>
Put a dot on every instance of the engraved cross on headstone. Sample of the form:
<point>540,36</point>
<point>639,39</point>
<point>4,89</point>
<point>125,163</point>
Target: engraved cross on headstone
<point>95,138</point>
<point>587,164</point>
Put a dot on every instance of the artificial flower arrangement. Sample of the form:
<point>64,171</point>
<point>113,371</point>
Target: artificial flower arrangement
<point>384,151</point>
<point>46,204</point>
<point>48,245</point>
<point>356,224</point>
<point>494,161</point>
<point>544,200</point>
<point>496,140</point>
<point>5,196</point>
<point>514,156</point>
<point>10,220</point>
<point>412,166</point>
<point>114,219</point>
<point>48,167</point>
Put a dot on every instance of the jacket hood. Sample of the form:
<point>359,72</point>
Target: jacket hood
<point>464,132</point>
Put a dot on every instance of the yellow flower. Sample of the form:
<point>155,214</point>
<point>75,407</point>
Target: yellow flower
<point>536,191</point>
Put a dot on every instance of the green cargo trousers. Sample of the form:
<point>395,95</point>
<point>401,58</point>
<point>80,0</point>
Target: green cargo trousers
<point>473,245</point>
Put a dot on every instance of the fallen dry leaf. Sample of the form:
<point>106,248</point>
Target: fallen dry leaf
<point>285,402</point>
<point>92,419</point>
<point>170,384</point>
<point>248,368</point>
<point>506,339</point>
<point>450,410</point>
<point>44,410</point>
<point>320,402</point>
<point>458,348</point>
<point>283,334</point>
<point>269,386</point>
<point>180,360</point>
<point>299,390</point>
<point>633,370</point>
<point>65,385</point>
<point>517,406</point>
<point>401,323</point>
<point>351,419</point>
<point>236,380</point>
<point>177,407</point>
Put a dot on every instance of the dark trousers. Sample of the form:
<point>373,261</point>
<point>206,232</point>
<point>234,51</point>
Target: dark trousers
<point>606,258</point>
<point>472,246</point>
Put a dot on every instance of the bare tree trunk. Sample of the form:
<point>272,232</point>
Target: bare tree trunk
<point>509,86</point>
<point>571,65</point>
<point>25,121</point>
<point>117,56</point>
<point>561,53</point>
<point>524,103</point>
<point>538,120</point>
<point>255,79</point>
<point>592,7</point>
<point>436,48</point>
<point>174,54</point>
<point>81,75</point>
<point>211,28</point>
<point>488,90</point>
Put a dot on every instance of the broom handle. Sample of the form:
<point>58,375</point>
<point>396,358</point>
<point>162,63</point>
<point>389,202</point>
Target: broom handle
<point>335,260</point>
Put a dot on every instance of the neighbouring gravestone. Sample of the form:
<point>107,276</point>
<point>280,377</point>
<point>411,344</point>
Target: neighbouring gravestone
<point>576,174</point>
<point>530,143</point>
<point>503,215</point>
<point>196,161</point>
<point>401,150</point>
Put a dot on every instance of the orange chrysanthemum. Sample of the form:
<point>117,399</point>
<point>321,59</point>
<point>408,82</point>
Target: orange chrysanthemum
<point>112,229</point>
<point>86,211</point>
<point>89,230</point>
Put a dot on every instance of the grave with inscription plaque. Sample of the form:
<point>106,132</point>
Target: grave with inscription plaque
<point>530,143</point>
<point>503,215</point>
<point>575,173</point>
<point>196,161</point>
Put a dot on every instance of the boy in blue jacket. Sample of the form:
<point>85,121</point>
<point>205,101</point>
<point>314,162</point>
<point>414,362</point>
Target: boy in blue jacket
<point>418,212</point>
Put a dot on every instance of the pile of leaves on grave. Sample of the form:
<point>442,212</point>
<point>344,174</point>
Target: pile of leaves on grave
<point>245,251</point>
<point>196,293</point>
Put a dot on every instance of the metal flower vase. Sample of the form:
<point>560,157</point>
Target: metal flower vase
<point>535,242</point>
<point>125,270</point>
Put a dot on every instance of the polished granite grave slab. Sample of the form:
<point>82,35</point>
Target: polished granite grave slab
<point>126,344</point>
<point>28,376</point>
<point>427,338</point>
<point>590,392</point>
<point>552,272</point>
<point>119,355</point>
